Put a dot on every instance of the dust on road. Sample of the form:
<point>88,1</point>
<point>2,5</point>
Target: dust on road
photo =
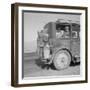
<point>32,69</point>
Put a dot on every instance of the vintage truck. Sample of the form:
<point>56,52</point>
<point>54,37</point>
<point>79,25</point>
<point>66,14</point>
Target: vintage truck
<point>62,43</point>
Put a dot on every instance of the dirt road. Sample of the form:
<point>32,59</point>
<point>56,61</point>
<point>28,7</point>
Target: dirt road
<point>32,69</point>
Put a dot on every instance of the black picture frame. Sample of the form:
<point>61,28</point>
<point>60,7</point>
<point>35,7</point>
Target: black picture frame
<point>15,41</point>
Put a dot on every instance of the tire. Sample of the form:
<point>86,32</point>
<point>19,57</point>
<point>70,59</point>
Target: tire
<point>62,59</point>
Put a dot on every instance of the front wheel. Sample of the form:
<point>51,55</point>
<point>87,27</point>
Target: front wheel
<point>62,59</point>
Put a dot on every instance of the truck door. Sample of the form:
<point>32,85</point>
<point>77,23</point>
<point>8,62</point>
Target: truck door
<point>75,45</point>
<point>63,36</point>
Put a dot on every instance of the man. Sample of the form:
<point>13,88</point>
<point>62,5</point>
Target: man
<point>42,39</point>
<point>43,47</point>
<point>67,32</point>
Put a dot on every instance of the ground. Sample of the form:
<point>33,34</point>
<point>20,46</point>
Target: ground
<point>32,68</point>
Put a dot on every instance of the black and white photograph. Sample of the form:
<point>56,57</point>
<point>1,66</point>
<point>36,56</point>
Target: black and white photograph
<point>50,44</point>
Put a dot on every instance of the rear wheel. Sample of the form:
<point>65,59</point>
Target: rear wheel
<point>62,59</point>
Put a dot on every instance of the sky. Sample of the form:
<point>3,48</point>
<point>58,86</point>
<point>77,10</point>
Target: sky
<point>34,22</point>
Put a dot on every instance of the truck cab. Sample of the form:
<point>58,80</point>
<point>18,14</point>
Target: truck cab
<point>64,39</point>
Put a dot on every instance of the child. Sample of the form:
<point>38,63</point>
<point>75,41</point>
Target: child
<point>46,55</point>
<point>46,51</point>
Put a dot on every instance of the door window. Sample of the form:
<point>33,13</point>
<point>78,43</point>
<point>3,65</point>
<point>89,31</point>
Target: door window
<point>62,31</point>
